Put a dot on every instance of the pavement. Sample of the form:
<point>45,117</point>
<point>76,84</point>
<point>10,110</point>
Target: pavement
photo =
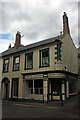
<point>54,109</point>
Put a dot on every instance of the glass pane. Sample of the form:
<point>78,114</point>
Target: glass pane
<point>31,90</point>
<point>41,90</point>
<point>17,60</point>
<point>6,61</point>
<point>45,53</point>
<point>29,61</point>
<point>38,83</point>
<point>30,83</point>
<point>6,67</point>
<point>36,91</point>
<point>45,61</point>
<point>16,66</point>
<point>44,58</point>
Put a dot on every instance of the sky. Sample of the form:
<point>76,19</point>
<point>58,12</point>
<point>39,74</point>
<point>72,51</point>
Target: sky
<point>36,20</point>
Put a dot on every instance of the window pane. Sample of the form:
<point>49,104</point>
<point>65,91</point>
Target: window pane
<point>45,53</point>
<point>6,61</point>
<point>36,91</point>
<point>44,58</point>
<point>41,90</point>
<point>16,66</point>
<point>17,60</point>
<point>29,61</point>
<point>30,83</point>
<point>38,83</point>
<point>6,67</point>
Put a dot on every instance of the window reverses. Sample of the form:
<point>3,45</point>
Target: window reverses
<point>44,57</point>
<point>29,61</point>
<point>16,63</point>
<point>6,65</point>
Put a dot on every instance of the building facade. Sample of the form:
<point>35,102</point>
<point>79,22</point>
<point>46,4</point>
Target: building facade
<point>78,68</point>
<point>43,71</point>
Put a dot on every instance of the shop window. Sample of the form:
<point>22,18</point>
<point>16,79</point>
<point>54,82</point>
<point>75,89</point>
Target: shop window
<point>36,87</point>
<point>31,86</point>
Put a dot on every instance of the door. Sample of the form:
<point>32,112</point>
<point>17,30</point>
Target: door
<point>14,93</point>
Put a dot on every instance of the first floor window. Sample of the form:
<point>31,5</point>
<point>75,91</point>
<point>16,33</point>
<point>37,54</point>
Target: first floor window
<point>16,63</point>
<point>44,57</point>
<point>5,65</point>
<point>29,61</point>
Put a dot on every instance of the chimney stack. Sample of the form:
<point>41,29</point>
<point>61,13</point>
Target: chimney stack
<point>65,24</point>
<point>9,46</point>
<point>18,40</point>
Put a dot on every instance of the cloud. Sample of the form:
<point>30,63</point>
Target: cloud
<point>38,20</point>
<point>7,36</point>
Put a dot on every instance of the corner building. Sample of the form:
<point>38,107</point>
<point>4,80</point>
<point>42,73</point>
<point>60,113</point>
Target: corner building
<point>42,71</point>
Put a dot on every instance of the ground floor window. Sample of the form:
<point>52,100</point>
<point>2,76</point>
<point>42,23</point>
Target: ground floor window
<point>15,87</point>
<point>72,87</point>
<point>36,86</point>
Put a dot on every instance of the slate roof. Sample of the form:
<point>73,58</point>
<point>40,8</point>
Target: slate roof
<point>33,45</point>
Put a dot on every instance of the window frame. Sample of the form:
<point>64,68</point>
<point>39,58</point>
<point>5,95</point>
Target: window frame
<point>14,62</point>
<point>4,65</point>
<point>25,60</point>
<point>40,51</point>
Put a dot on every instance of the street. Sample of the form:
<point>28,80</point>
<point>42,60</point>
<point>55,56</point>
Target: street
<point>70,109</point>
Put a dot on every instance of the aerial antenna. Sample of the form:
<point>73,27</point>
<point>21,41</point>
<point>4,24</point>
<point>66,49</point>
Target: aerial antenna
<point>22,36</point>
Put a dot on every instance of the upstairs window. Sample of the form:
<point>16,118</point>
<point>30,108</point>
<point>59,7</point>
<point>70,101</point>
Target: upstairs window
<point>44,57</point>
<point>5,65</point>
<point>29,60</point>
<point>16,63</point>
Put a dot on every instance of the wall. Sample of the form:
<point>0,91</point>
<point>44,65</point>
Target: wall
<point>69,55</point>
<point>14,74</point>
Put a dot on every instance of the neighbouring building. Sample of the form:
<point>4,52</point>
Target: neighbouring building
<point>79,68</point>
<point>43,71</point>
<point>1,66</point>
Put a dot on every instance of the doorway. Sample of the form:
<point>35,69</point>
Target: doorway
<point>5,88</point>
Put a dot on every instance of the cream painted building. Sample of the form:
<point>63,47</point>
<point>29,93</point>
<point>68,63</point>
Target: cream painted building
<point>42,71</point>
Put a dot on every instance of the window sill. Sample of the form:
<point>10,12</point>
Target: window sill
<point>5,72</point>
<point>28,68</point>
<point>15,70</point>
<point>44,66</point>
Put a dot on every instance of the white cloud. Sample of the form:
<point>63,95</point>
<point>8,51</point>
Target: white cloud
<point>38,20</point>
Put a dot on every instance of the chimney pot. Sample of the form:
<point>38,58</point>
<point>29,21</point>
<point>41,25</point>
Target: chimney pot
<point>61,33</point>
<point>9,46</point>
<point>65,13</point>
